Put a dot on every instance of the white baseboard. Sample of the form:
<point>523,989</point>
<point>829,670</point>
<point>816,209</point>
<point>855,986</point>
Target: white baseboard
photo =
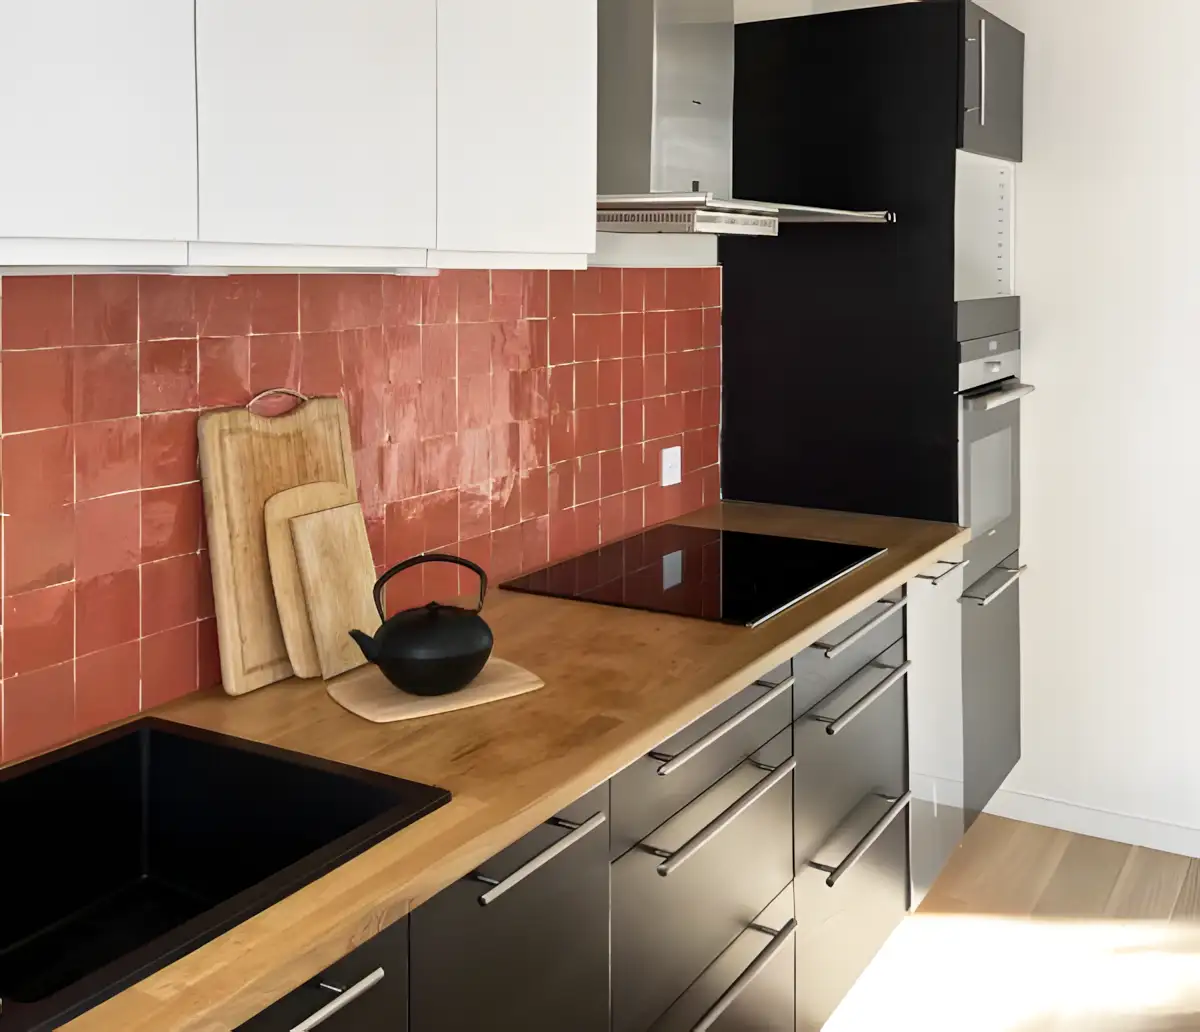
<point>1119,827</point>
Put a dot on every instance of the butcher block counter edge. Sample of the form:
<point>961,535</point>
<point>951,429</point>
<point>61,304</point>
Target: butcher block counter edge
<point>618,682</point>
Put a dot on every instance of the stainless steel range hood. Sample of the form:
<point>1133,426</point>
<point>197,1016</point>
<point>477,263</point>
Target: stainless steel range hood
<point>666,125</point>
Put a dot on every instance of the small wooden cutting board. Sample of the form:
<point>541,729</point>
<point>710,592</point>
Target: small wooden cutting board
<point>338,574</point>
<point>285,573</point>
<point>368,694</point>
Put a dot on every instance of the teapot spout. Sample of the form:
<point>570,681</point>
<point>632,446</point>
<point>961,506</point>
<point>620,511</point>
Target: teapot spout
<point>367,644</point>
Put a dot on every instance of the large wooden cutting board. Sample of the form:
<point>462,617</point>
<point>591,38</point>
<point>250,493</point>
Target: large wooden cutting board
<point>285,573</point>
<point>244,460</point>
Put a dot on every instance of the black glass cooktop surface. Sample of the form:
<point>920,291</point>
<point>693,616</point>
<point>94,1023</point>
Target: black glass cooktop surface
<point>720,575</point>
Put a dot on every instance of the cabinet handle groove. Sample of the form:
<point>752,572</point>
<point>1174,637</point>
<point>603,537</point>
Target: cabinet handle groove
<point>833,651</point>
<point>866,842</point>
<point>344,1000</point>
<point>778,941</point>
<point>673,763</point>
<point>987,600</point>
<point>711,830</point>
<point>834,725</point>
<point>499,888</point>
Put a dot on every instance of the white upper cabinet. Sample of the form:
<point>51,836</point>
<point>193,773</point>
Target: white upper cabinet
<point>97,129</point>
<point>516,127</point>
<point>317,122</point>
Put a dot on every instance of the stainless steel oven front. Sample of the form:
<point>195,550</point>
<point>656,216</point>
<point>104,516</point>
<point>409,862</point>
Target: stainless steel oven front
<point>989,484</point>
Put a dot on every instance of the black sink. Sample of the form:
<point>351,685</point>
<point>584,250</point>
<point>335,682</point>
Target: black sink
<point>122,853</point>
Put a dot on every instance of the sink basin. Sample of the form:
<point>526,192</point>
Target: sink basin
<point>126,851</point>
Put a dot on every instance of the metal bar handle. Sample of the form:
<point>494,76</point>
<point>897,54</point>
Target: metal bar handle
<point>499,888</point>
<point>714,828</point>
<point>725,1001</point>
<point>833,651</point>
<point>987,600</point>
<point>344,1000</point>
<point>953,569</point>
<point>718,732</point>
<point>994,400</point>
<point>866,842</point>
<point>983,71</point>
<point>834,725</point>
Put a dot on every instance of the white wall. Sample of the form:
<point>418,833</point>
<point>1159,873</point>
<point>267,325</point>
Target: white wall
<point>1108,265</point>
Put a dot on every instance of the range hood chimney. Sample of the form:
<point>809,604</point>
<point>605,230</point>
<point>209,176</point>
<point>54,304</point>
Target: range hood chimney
<point>666,125</point>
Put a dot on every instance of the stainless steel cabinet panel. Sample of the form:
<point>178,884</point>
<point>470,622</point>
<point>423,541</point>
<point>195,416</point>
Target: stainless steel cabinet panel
<point>371,984</point>
<point>642,798</point>
<point>667,930</point>
<point>993,86</point>
<point>765,1001</point>
<point>537,957</point>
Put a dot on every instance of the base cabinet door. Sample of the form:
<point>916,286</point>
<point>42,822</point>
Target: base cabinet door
<point>366,991</point>
<point>527,947</point>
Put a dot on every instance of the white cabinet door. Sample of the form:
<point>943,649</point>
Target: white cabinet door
<point>317,121</point>
<point>98,120</point>
<point>517,125</point>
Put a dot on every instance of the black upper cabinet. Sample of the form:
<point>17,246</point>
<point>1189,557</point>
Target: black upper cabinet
<point>529,953</point>
<point>993,86</point>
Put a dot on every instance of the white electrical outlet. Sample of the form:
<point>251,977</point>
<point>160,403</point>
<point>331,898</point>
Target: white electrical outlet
<point>672,466</point>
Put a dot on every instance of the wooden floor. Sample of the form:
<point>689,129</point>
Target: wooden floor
<point>1035,930</point>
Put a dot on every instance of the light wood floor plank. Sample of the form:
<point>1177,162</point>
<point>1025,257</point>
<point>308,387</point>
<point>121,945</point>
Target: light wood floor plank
<point>1149,884</point>
<point>1084,880</point>
<point>1187,906</point>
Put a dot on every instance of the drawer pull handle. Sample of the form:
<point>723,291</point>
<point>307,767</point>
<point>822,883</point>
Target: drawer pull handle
<point>671,861</point>
<point>953,568</point>
<point>578,831</point>
<point>833,725</point>
<point>865,843</point>
<point>673,763</point>
<point>987,600</point>
<point>778,941</point>
<point>833,651</point>
<point>345,998</point>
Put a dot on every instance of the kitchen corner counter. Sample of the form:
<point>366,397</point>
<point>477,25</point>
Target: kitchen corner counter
<point>618,682</point>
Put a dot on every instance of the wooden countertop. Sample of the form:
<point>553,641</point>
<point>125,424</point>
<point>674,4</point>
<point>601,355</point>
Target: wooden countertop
<point>618,682</point>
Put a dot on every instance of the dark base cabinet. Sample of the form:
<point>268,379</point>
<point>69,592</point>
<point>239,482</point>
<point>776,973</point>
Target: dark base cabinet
<point>366,991</point>
<point>535,958</point>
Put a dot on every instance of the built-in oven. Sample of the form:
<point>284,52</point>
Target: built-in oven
<point>990,393</point>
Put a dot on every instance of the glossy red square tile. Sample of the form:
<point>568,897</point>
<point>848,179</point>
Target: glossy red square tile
<point>711,400</point>
<point>535,542</point>
<point>401,469</point>
<point>405,530</point>
<point>633,466</point>
<point>587,525</point>
<point>474,349</point>
<point>474,295</point>
<point>475,401</point>
<point>208,660</point>
<point>505,448</point>
<point>633,335</point>
<point>685,288</point>
<point>507,558</point>
<point>508,290</point>
<point>710,334</point>
<point>439,299</point>
<point>562,534</point>
<point>561,486</point>
<point>655,333</point>
<point>108,457</point>
<point>609,381</point>
<point>170,593</point>
<point>474,456</point>
<point>235,305</point>
<point>402,296</point>
<point>612,474</point>
<point>440,517</point>
<point>512,394</point>
<point>108,686</point>
<point>39,710</point>
<point>166,307</point>
<point>634,509</point>
<point>512,346</point>
<point>36,312</point>
<point>105,310</point>
<point>597,336</point>
<point>171,521</point>
<point>633,290</point>
<point>39,629</point>
<point>561,389</point>
<point>474,511</point>
<point>562,436</point>
<point>534,436</point>
<point>439,351</point>
<point>107,611</point>
<point>693,492</point>
<point>597,291</point>
<point>36,388</point>
<point>633,379</point>
<point>339,302</point>
<point>479,551</point>
<point>587,478</point>
<point>539,342</point>
<point>321,364</point>
<point>710,446</point>
<point>562,293</point>
<point>685,371</point>
<point>587,377</point>
<point>658,422</point>
<point>691,451</point>
<point>443,582</point>
<point>608,427</point>
<point>663,503</point>
<point>169,447</point>
<point>710,477</point>
<point>612,518</point>
<point>169,665</point>
<point>711,367</point>
<point>437,408</point>
<point>105,382</point>
<point>536,294</point>
<point>168,375</point>
<point>38,470</point>
<point>561,334</point>
<point>656,290</point>
<point>685,330</point>
<point>535,493</point>
<point>406,590</point>
<point>693,410</point>
<point>274,361</point>
<point>39,548</point>
<point>440,463</point>
<point>587,431</point>
<point>632,422</point>
<point>224,371</point>
<point>710,292</point>
<point>107,535</point>
<point>506,501</point>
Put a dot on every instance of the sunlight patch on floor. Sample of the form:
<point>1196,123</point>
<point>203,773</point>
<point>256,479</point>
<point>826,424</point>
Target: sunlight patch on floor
<point>955,973</point>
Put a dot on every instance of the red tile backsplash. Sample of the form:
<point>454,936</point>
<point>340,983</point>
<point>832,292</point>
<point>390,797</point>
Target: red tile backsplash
<point>511,417</point>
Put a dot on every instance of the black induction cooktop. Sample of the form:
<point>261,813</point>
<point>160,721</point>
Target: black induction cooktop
<point>721,575</point>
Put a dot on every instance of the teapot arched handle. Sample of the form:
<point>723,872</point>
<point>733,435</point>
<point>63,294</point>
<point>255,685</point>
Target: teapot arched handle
<point>430,557</point>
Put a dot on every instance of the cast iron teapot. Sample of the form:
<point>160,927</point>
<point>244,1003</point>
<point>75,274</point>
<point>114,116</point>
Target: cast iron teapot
<point>434,649</point>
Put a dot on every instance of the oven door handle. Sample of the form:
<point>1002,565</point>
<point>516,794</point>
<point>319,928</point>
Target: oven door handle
<point>993,400</point>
